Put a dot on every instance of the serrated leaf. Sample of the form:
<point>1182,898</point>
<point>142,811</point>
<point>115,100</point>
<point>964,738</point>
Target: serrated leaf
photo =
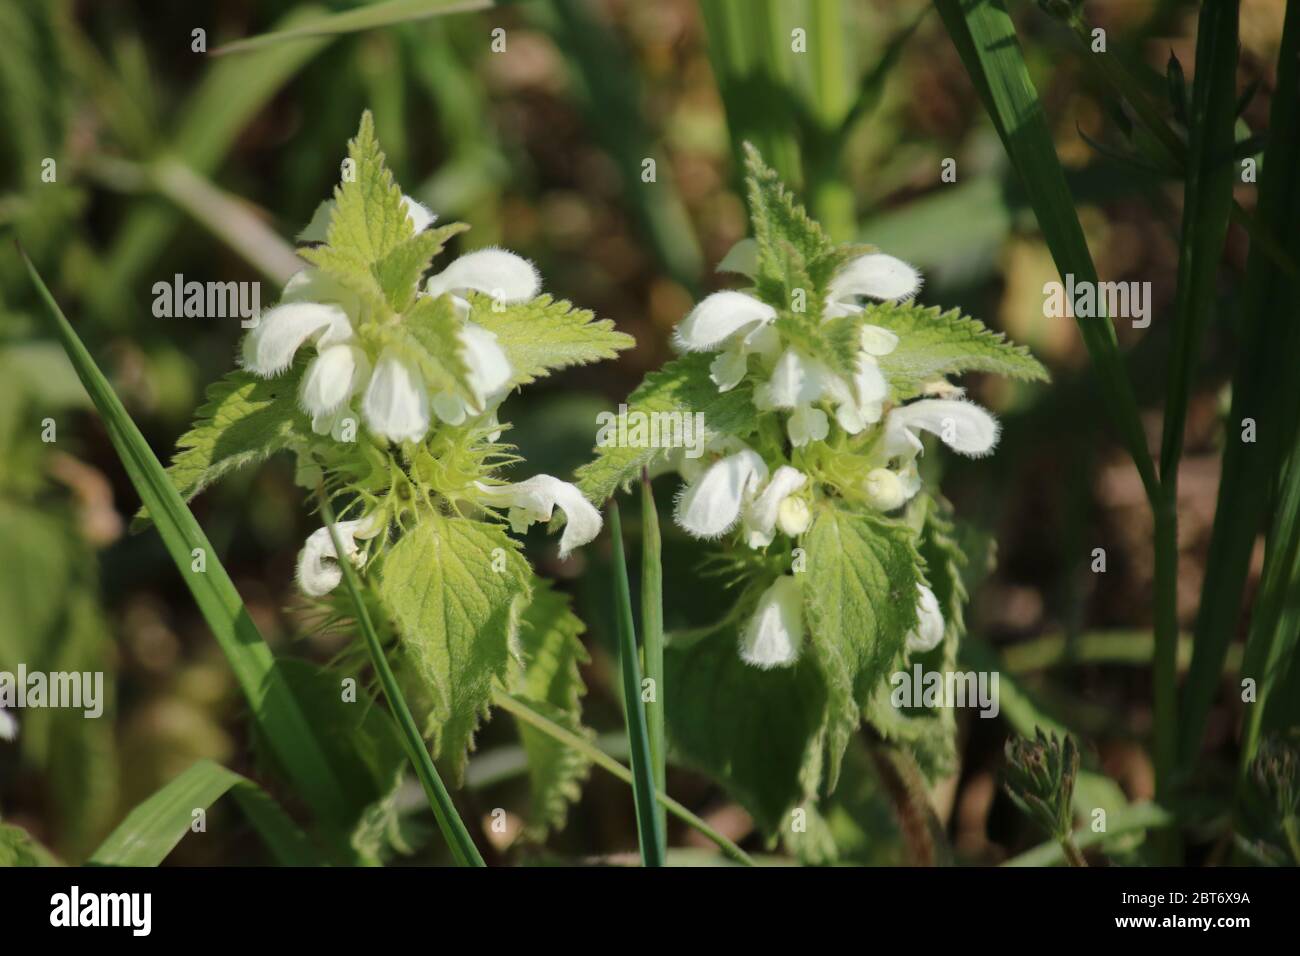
<point>546,334</point>
<point>398,272</point>
<point>546,677</point>
<point>932,344</point>
<point>683,385</point>
<point>757,733</point>
<point>244,420</point>
<point>432,340</point>
<point>781,226</point>
<point>456,616</point>
<point>860,593</point>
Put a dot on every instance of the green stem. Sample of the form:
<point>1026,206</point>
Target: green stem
<point>652,636</point>
<point>1072,854</point>
<point>649,831</point>
<point>449,822</point>
<point>1166,640</point>
<point>1137,816</point>
<point>607,763</point>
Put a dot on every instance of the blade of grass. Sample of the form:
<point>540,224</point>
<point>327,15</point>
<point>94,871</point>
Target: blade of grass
<point>369,17</point>
<point>449,822</point>
<point>273,707</point>
<point>607,763</point>
<point>1260,386</point>
<point>151,831</point>
<point>985,39</point>
<point>1207,204</point>
<point>652,634</point>
<point>649,832</point>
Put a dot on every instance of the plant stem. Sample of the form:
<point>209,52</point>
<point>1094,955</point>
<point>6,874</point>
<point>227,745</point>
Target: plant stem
<point>649,831</point>
<point>607,763</point>
<point>1072,854</point>
<point>449,821</point>
<point>1137,816</point>
<point>652,636</point>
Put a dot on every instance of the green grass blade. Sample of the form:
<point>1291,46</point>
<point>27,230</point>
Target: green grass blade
<point>652,634</point>
<point>274,709</point>
<point>985,38</point>
<point>649,832</point>
<point>444,811</point>
<point>597,756</point>
<point>369,17</point>
<point>154,827</point>
<point>1260,386</point>
<point>1207,204</point>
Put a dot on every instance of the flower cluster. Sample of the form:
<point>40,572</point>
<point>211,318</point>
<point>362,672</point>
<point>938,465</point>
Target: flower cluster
<point>775,490</point>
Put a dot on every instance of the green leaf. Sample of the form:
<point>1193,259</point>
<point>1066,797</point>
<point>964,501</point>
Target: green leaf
<point>245,420</point>
<point>398,272</point>
<point>860,594</point>
<point>547,334</point>
<point>546,678</point>
<point>683,385</point>
<point>757,733</point>
<point>369,17</point>
<point>785,232</point>
<point>152,829</point>
<point>456,616</point>
<point>18,848</point>
<point>934,344</point>
<point>431,331</point>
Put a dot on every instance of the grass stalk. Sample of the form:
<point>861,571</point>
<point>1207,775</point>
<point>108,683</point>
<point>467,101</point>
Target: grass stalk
<point>652,636</point>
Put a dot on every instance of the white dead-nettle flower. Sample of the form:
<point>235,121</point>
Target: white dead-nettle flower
<point>714,497</point>
<point>537,498</point>
<point>395,400</point>
<point>929,623</point>
<point>734,324</point>
<point>774,634</point>
<point>872,276</point>
<point>318,569</point>
<point>775,506</point>
<point>8,726</point>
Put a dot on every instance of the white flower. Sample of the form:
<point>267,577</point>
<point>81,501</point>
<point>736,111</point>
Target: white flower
<point>929,623</point>
<point>735,324</point>
<point>873,276</point>
<point>420,216</point>
<point>885,489</point>
<point>270,347</point>
<point>712,502</point>
<point>318,570</point>
<point>489,376</point>
<point>963,426</point>
<point>8,726</point>
<point>502,275</point>
<point>535,500</point>
<point>763,514</point>
<point>773,636</point>
<point>396,405</point>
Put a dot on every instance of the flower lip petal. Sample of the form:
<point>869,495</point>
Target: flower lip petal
<point>718,317</point>
<point>928,633</point>
<point>760,517</point>
<point>270,347</point>
<point>711,505</point>
<point>539,496</point>
<point>489,369</point>
<point>316,576</point>
<point>875,276</point>
<point>495,272</point>
<point>963,426</point>
<point>334,376</point>
<point>774,634</point>
<point>420,215</point>
<point>396,404</point>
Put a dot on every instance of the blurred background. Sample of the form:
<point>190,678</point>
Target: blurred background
<point>169,160</point>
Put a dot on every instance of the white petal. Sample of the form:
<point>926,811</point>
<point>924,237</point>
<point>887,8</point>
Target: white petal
<point>773,636</point>
<point>963,426</point>
<point>728,369</point>
<point>878,341</point>
<point>794,516</point>
<point>929,623</point>
<point>270,347</point>
<point>870,381</point>
<point>711,505</point>
<point>396,405</point>
<point>795,381</point>
<point>317,576</point>
<point>807,424</point>
<point>450,408</point>
<point>535,500</point>
<point>420,215</point>
<point>333,376</point>
<point>489,369</point>
<point>8,726</point>
<point>876,276</point>
<point>760,517</point>
<point>503,275</point>
<point>717,318</point>
<point>884,489</point>
<point>741,259</point>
